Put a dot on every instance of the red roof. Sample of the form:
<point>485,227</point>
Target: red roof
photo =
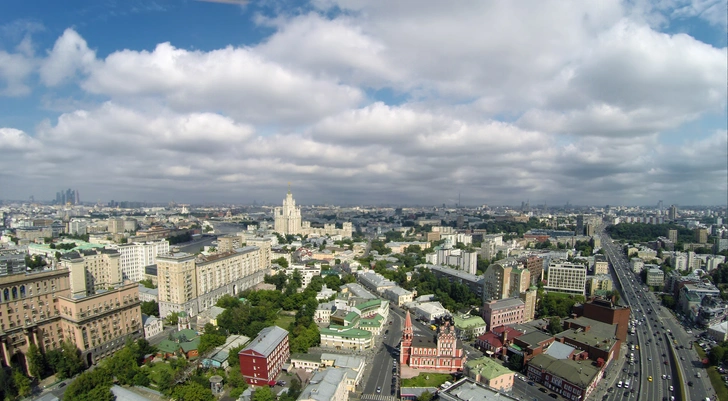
<point>491,339</point>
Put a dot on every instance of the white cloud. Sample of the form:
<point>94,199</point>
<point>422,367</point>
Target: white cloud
<point>13,140</point>
<point>15,68</point>
<point>235,80</point>
<point>69,57</point>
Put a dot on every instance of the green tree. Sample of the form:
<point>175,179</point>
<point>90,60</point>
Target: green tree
<point>36,361</point>
<point>192,391</point>
<point>172,318</point>
<point>147,283</point>
<point>150,308</point>
<point>228,301</point>
<point>263,394</point>
<point>426,396</point>
<point>22,383</point>
<point>716,355</point>
<point>66,361</point>
<point>233,358</point>
<point>282,262</point>
<point>210,339</point>
<point>165,381</point>
<point>555,325</point>
<point>515,362</point>
<point>92,385</point>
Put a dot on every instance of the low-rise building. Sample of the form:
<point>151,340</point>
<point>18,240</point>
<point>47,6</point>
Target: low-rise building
<point>263,358</point>
<point>637,264</point>
<point>350,338</point>
<point>467,389</point>
<point>503,312</point>
<point>429,311</point>
<point>598,285</point>
<point>148,294</point>
<point>490,372</point>
<point>326,385</point>
<point>152,326</point>
<point>573,380</point>
<point>468,327</point>
<point>398,295</point>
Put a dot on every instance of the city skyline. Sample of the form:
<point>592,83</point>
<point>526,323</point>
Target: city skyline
<point>425,103</point>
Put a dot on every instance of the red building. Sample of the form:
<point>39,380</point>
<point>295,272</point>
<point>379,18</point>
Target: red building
<point>494,342</point>
<point>606,311</point>
<point>442,353</point>
<point>263,358</point>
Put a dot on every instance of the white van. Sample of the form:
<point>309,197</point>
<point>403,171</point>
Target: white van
<point>619,385</point>
<point>626,384</point>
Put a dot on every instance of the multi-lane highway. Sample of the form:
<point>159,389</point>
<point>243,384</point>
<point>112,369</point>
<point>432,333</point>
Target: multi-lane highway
<point>655,332</point>
<point>382,378</point>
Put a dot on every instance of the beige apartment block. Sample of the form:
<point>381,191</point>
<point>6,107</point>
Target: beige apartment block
<point>99,324</point>
<point>29,312</point>
<point>505,281</point>
<point>194,284</point>
<point>92,270</point>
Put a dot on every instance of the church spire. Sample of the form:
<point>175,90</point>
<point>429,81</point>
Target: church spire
<point>407,321</point>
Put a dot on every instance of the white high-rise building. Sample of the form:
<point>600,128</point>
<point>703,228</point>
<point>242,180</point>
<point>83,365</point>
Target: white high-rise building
<point>288,217</point>
<point>136,256</point>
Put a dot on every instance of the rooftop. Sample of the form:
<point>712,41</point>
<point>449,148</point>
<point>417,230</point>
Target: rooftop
<point>488,368</point>
<point>579,373</point>
<point>505,303</point>
<point>267,340</point>
<point>323,385</point>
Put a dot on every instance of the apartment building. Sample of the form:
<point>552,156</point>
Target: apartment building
<point>598,285</point>
<point>100,323</point>
<point>505,279</point>
<point>92,270</point>
<point>637,264</point>
<point>566,277</point>
<point>327,385</point>
<point>194,284</point>
<point>601,266</point>
<point>29,312</point>
<point>136,256</point>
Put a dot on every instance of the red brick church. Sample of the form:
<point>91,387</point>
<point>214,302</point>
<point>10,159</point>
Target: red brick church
<point>443,353</point>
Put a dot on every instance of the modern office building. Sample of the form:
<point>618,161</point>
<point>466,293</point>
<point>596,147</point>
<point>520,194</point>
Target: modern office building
<point>503,312</point>
<point>566,277</point>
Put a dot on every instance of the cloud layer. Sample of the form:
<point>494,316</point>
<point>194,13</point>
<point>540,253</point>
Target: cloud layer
<point>355,102</point>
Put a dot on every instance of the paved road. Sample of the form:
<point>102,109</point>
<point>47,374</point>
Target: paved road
<point>654,336</point>
<point>381,374</point>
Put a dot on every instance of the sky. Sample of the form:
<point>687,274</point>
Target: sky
<point>365,102</point>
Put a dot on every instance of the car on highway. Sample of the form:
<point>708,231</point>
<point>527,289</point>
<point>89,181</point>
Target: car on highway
<point>379,390</point>
<point>690,383</point>
<point>649,378</point>
<point>672,388</point>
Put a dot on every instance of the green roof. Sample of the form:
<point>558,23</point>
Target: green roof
<point>470,321</point>
<point>190,345</point>
<point>375,320</point>
<point>168,346</point>
<point>374,303</point>
<point>488,368</point>
<point>346,332</point>
<point>188,333</point>
<point>351,317</point>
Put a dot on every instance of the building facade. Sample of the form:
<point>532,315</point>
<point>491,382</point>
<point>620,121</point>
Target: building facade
<point>503,312</point>
<point>444,353</point>
<point>566,277</point>
<point>263,358</point>
<point>135,256</point>
<point>194,284</point>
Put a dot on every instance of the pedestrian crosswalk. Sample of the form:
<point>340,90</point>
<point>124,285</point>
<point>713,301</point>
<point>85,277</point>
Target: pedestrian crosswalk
<point>378,397</point>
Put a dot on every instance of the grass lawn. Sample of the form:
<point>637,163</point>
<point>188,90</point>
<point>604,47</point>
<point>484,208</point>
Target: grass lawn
<point>284,321</point>
<point>156,369</point>
<point>715,379</point>
<point>427,380</point>
<point>717,383</point>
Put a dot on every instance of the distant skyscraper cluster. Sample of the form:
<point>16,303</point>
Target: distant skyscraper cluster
<point>68,196</point>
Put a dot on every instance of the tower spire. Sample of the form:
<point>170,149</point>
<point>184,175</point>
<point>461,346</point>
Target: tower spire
<point>289,187</point>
